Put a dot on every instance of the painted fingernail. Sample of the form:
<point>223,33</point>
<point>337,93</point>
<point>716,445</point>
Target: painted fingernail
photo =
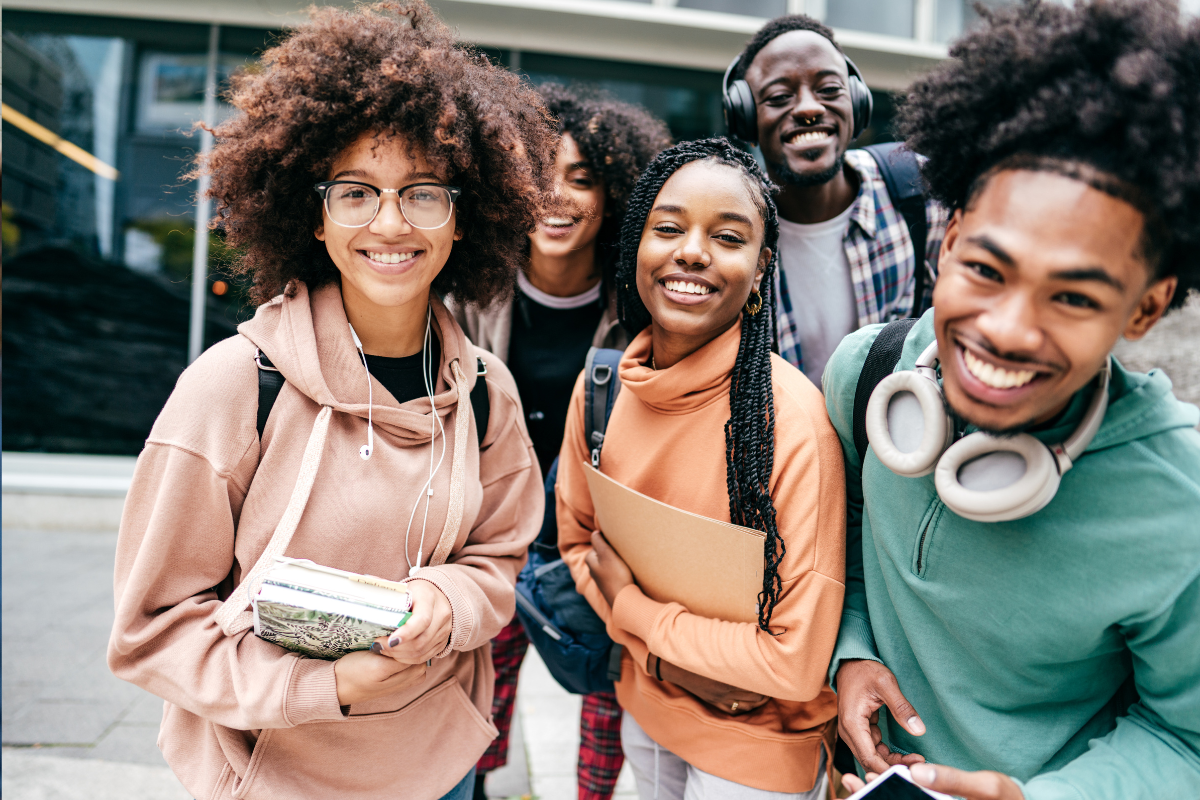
<point>394,641</point>
<point>377,648</point>
<point>916,726</point>
<point>923,773</point>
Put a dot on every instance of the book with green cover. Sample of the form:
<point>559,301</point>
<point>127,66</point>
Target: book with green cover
<point>325,613</point>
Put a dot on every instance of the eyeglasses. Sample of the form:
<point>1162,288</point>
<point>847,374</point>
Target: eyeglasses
<point>354,205</point>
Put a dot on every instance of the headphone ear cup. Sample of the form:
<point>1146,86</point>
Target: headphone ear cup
<point>912,404</point>
<point>990,479</point>
<point>741,114</point>
<point>863,103</point>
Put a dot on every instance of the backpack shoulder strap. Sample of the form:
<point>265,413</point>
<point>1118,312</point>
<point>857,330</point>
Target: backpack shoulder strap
<point>601,385</point>
<point>480,401</point>
<point>881,361</point>
<point>902,174</point>
<point>270,381</point>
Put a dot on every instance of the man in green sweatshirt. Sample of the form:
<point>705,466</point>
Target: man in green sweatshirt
<point>1054,655</point>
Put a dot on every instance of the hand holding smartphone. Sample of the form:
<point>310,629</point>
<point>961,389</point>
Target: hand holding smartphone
<point>896,784</point>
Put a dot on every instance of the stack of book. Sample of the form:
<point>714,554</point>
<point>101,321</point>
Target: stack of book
<point>321,612</point>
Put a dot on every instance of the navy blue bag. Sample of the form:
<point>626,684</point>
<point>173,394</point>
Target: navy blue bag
<point>570,636</point>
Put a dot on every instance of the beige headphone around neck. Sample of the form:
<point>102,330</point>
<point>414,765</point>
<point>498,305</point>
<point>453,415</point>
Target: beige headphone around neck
<point>981,477</point>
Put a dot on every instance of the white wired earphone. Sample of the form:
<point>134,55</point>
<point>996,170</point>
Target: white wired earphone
<point>435,426</point>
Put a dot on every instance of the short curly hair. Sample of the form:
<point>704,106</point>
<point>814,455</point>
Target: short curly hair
<point>618,139</point>
<point>774,29</point>
<point>1105,92</point>
<point>392,68</point>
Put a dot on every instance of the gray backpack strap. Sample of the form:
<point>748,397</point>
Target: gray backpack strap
<point>601,385</point>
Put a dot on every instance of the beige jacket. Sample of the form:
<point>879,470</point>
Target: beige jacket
<point>244,718</point>
<point>491,327</point>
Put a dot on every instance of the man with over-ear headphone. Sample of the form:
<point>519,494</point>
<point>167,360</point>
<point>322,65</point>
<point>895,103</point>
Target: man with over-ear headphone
<point>852,248</point>
<point>1022,612</point>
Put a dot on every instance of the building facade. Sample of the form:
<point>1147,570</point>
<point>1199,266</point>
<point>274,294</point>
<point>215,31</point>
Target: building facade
<point>100,100</point>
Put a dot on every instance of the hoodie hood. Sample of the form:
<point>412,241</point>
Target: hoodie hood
<point>307,338</point>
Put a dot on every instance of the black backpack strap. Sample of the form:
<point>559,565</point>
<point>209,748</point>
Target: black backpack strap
<point>881,361</point>
<point>902,174</point>
<point>480,401</point>
<point>601,386</point>
<point>270,381</point>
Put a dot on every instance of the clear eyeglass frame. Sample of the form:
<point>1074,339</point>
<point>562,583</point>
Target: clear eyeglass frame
<point>452,192</point>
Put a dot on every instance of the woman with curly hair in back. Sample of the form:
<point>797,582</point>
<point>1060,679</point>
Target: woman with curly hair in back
<point>564,303</point>
<point>375,164</point>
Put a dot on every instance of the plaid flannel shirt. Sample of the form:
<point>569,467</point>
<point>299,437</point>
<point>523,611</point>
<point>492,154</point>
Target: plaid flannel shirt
<point>880,253</point>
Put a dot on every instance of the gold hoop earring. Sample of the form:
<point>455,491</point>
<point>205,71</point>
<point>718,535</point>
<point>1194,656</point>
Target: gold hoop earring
<point>753,307</point>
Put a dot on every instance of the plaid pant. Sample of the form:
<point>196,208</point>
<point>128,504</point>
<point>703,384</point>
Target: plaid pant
<point>600,755</point>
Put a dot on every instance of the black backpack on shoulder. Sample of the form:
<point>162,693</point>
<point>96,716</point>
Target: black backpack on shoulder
<point>569,636</point>
<point>902,174</point>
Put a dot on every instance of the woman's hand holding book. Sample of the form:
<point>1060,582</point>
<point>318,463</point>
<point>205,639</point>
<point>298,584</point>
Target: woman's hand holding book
<point>427,630</point>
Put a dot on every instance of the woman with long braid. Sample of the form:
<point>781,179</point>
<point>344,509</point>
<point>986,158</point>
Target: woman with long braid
<point>711,421</point>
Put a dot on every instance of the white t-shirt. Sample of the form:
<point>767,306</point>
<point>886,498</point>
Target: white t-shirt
<point>813,260</point>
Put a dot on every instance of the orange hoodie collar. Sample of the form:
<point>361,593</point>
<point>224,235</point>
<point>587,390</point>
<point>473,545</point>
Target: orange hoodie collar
<point>701,378</point>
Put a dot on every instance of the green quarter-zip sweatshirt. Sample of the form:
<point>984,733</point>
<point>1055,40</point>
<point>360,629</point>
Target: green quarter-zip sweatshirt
<point>1062,649</point>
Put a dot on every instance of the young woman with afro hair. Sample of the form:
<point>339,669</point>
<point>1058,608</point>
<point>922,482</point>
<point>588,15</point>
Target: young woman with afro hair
<point>564,303</point>
<point>709,420</point>
<point>1023,605</point>
<point>373,165</point>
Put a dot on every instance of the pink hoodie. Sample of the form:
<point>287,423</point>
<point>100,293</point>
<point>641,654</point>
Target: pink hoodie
<point>244,718</point>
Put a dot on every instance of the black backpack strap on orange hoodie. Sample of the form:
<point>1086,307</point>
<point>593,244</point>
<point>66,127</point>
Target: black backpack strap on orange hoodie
<point>601,387</point>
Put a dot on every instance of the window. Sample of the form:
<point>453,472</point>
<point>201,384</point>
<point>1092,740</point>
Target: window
<point>889,17</point>
<point>99,223</point>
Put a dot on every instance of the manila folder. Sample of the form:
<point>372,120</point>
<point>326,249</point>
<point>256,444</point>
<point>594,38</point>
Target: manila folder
<point>714,569</point>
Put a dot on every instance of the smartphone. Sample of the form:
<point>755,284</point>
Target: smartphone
<point>896,784</point>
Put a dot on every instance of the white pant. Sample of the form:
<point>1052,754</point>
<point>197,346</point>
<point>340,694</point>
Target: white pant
<point>662,775</point>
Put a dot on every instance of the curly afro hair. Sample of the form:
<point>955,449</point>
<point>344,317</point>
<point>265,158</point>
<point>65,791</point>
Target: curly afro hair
<point>774,29</point>
<point>1105,92</point>
<point>392,68</point>
<point>619,140</point>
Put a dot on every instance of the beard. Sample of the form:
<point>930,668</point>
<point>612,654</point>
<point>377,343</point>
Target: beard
<point>961,422</point>
<point>786,176</point>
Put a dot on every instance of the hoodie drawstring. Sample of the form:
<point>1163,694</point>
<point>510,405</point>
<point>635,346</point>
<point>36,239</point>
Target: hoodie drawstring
<point>454,514</point>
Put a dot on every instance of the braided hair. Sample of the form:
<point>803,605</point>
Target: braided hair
<point>749,433</point>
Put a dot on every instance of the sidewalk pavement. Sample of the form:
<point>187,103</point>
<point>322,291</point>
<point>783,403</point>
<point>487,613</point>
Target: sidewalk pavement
<point>72,731</point>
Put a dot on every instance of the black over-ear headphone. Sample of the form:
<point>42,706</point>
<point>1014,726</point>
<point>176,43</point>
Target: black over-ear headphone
<point>741,117</point>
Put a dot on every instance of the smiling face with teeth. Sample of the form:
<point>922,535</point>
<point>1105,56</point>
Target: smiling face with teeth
<point>387,266</point>
<point>805,117</point>
<point>700,256</point>
<point>571,233</point>
<point>1038,278</point>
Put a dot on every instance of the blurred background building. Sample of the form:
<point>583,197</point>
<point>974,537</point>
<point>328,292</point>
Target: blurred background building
<point>100,99</point>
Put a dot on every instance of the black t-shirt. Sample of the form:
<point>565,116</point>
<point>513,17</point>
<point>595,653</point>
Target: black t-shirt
<point>402,376</point>
<point>546,353</point>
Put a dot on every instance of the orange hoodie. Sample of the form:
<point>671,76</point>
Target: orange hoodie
<point>666,439</point>
<point>247,719</point>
